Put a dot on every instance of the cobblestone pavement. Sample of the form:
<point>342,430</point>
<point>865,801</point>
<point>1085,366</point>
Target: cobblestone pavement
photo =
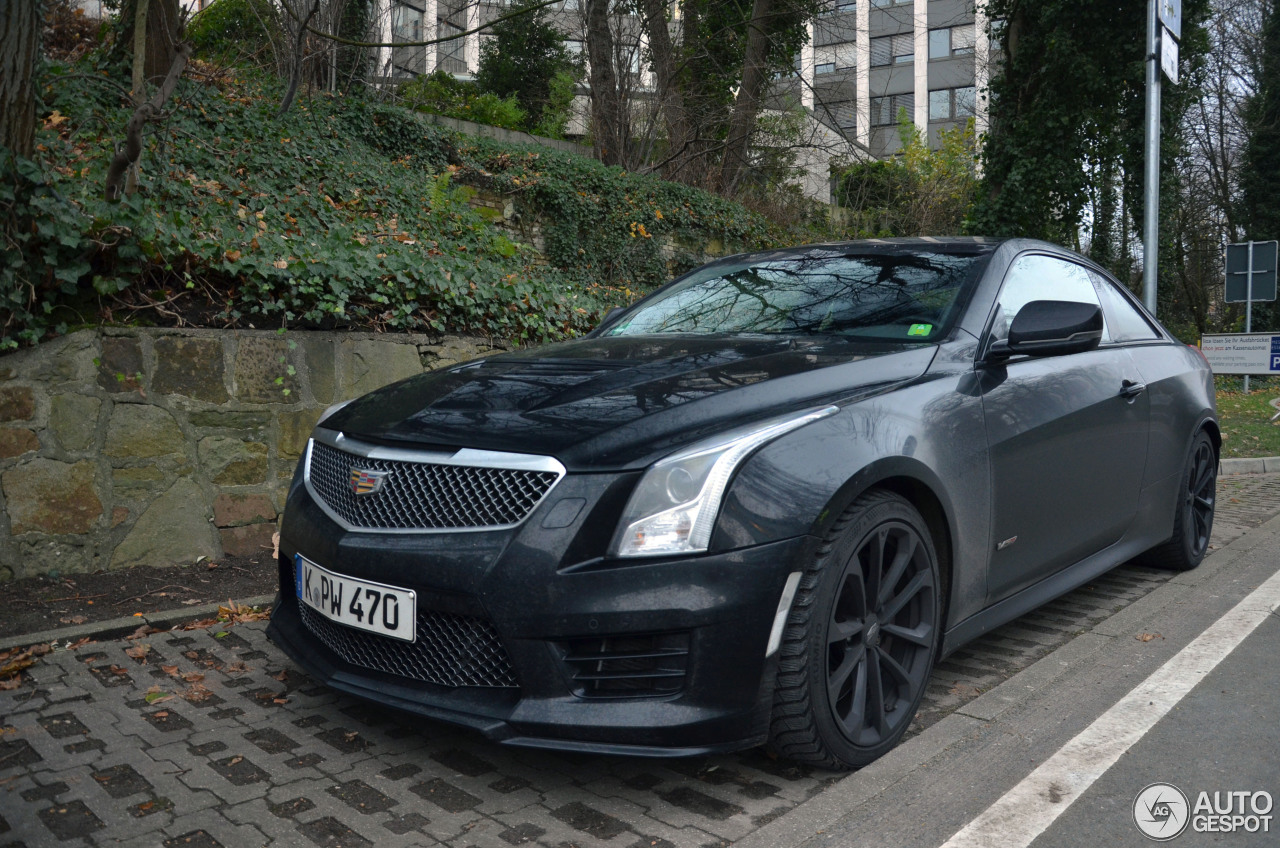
<point>248,751</point>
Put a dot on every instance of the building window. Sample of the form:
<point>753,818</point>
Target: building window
<point>940,105</point>
<point>881,4</point>
<point>892,50</point>
<point>838,7</point>
<point>948,104</point>
<point>844,114</point>
<point>939,43</point>
<point>825,68</point>
<point>952,41</point>
<point>884,110</point>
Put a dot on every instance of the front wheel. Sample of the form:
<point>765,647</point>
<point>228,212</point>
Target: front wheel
<point>1193,514</point>
<point>861,638</point>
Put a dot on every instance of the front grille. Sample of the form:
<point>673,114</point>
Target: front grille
<point>425,495</point>
<point>628,666</point>
<point>451,650</point>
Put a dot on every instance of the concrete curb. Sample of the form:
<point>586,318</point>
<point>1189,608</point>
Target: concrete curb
<point>810,818</point>
<point>1252,465</point>
<point>116,627</point>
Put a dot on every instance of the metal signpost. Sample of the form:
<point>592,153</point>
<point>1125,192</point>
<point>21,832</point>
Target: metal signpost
<point>1251,275</point>
<point>1164,28</point>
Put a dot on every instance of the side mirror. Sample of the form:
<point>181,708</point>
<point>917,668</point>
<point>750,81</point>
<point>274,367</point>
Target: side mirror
<point>604,322</point>
<point>1051,328</point>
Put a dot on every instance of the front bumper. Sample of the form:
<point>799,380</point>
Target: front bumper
<point>548,613</point>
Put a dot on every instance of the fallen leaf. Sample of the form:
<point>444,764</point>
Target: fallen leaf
<point>138,651</point>
<point>171,670</point>
<point>1147,637</point>
<point>193,677</point>
<point>158,697</point>
<point>75,619</point>
<point>10,683</point>
<point>161,714</point>
<point>191,602</point>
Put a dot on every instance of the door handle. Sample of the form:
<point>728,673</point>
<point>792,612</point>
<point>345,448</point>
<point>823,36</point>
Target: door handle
<point>1130,390</point>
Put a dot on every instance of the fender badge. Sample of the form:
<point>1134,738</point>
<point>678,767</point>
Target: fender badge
<point>1006,543</point>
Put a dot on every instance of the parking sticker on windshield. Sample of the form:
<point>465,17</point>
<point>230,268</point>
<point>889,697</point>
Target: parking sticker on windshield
<point>920,330</point>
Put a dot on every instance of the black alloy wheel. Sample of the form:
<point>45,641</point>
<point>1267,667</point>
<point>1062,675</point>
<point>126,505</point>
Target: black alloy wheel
<point>1193,516</point>
<point>861,639</point>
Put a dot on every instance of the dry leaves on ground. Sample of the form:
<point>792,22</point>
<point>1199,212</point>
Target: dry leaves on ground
<point>15,660</point>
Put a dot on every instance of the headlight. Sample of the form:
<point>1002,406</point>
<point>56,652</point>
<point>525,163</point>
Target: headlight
<point>674,507</point>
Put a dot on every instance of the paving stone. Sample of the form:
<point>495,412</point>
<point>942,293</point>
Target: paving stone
<point>463,762</point>
<point>345,741</point>
<point>328,832</point>
<point>362,797</point>
<point>522,833</point>
<point>271,740</point>
<point>45,792</point>
<point>238,770</point>
<point>70,821</point>
<point>445,796</point>
<point>168,720</point>
<point>290,809</point>
<point>63,725</point>
<point>581,817</point>
<point>193,839</point>
<point>400,772</point>
<point>121,781</point>
<point>17,753</point>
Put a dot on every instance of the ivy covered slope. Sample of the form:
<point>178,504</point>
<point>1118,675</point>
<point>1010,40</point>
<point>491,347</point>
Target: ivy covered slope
<point>342,213</point>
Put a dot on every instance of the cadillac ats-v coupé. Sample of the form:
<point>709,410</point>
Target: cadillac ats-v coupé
<point>754,507</point>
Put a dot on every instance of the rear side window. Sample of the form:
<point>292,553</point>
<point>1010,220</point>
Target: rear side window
<point>1036,277</point>
<point>1124,322</point>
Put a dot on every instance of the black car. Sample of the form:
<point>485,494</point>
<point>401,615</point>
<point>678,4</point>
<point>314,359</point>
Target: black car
<point>754,507</point>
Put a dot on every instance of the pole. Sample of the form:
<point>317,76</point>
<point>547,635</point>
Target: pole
<point>1248,306</point>
<point>1151,212</point>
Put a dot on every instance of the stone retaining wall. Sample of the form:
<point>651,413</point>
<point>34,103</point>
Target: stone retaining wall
<point>125,447</point>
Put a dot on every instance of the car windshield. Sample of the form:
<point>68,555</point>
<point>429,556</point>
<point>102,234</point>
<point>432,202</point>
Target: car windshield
<point>907,296</point>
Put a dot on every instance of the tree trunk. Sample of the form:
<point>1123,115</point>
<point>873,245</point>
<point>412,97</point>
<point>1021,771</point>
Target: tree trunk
<point>746,107</point>
<point>611,129</point>
<point>683,162</point>
<point>163,37</point>
<point>20,24</point>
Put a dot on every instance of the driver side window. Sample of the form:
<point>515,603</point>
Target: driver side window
<point>1036,277</point>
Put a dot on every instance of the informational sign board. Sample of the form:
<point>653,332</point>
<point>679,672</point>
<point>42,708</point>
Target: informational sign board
<point>1170,12</point>
<point>1242,353</point>
<point>1262,271</point>
<point>1168,56</point>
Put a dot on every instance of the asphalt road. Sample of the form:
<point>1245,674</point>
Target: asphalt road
<point>254,753</point>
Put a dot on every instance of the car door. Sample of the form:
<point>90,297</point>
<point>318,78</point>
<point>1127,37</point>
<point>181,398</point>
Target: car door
<point>1067,437</point>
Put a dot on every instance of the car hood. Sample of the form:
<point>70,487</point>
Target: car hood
<point>614,403</point>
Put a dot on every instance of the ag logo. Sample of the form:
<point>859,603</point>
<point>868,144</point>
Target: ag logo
<point>1161,812</point>
<point>366,482</point>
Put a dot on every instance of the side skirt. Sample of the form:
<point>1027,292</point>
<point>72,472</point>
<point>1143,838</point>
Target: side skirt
<point>1041,593</point>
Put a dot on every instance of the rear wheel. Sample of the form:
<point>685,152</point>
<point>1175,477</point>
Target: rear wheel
<point>1193,515</point>
<point>861,638</point>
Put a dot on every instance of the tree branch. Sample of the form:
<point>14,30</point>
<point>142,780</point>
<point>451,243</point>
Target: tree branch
<point>128,153</point>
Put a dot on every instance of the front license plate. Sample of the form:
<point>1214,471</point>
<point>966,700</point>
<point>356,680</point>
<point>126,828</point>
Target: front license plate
<point>385,610</point>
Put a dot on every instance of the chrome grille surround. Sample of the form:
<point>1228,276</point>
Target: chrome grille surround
<point>450,650</point>
<point>426,491</point>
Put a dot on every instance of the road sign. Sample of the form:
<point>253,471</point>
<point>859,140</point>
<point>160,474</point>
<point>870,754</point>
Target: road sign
<point>1171,15</point>
<point>1251,271</point>
<point>1168,55</point>
<point>1242,353</point>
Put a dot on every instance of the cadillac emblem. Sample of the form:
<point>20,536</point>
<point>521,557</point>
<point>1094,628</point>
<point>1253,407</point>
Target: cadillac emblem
<point>366,482</point>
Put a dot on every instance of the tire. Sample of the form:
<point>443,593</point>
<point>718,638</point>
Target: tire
<point>838,650</point>
<point>1193,514</point>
